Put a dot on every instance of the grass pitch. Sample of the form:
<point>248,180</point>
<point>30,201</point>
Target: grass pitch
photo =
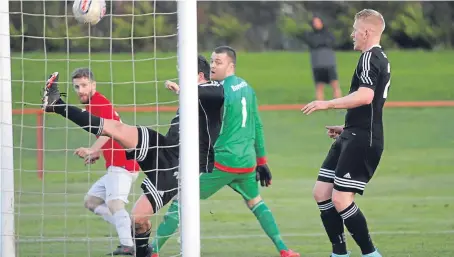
<point>409,203</point>
<point>278,77</point>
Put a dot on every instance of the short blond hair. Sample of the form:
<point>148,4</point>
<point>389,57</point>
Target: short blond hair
<point>373,17</point>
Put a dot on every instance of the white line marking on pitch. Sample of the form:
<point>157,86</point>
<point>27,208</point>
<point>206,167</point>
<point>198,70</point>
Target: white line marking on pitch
<point>74,204</point>
<point>229,237</point>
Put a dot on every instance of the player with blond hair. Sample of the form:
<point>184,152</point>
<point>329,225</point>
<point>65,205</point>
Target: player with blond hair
<point>354,156</point>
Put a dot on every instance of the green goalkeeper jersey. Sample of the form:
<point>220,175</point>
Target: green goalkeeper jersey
<point>240,145</point>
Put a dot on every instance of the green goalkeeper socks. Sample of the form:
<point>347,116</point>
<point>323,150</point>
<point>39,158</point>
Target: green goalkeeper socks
<point>167,227</point>
<point>266,219</point>
<point>171,221</point>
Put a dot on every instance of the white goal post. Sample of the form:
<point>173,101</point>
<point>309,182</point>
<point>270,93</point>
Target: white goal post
<point>189,132</point>
<point>7,243</point>
<point>188,98</point>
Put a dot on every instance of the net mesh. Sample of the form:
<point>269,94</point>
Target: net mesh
<point>131,51</point>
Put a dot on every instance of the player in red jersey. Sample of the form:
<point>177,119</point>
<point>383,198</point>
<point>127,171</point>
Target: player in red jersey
<point>108,196</point>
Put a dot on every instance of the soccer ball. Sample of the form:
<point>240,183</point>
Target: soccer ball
<point>89,11</point>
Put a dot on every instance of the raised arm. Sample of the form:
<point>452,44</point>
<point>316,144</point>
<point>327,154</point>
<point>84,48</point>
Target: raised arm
<point>211,94</point>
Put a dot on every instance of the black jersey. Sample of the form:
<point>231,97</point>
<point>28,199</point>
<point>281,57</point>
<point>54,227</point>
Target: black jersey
<point>211,100</point>
<point>373,71</point>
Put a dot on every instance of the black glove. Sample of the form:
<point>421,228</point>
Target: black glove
<point>263,174</point>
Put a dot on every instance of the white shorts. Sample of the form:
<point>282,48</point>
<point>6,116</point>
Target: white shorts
<point>114,185</point>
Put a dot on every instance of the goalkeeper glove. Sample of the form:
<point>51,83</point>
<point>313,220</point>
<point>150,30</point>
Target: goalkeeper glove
<point>263,174</point>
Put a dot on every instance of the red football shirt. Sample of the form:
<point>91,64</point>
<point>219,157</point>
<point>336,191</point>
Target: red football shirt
<point>113,152</point>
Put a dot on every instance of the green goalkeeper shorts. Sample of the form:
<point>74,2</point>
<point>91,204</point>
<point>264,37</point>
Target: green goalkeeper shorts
<point>243,183</point>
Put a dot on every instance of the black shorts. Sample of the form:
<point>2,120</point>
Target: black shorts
<point>324,75</point>
<point>158,159</point>
<point>351,162</point>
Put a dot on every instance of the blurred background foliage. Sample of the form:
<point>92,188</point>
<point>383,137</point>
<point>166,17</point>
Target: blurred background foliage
<point>248,26</point>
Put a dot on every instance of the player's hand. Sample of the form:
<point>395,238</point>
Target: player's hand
<point>90,159</point>
<point>172,86</point>
<point>263,174</point>
<point>334,131</point>
<point>89,155</point>
<point>315,106</point>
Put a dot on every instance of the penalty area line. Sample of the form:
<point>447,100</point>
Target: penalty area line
<point>228,237</point>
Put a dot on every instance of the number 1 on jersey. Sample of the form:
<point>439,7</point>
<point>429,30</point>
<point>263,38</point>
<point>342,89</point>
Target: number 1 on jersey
<point>244,112</point>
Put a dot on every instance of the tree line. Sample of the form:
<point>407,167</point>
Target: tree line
<point>249,26</point>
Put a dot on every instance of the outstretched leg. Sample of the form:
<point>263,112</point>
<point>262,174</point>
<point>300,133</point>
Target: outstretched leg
<point>268,223</point>
<point>246,185</point>
<point>124,134</point>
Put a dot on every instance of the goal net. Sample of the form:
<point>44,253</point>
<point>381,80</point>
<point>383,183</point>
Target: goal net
<point>131,52</point>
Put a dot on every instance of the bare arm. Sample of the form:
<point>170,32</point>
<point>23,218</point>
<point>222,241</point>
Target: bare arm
<point>360,97</point>
<point>99,143</point>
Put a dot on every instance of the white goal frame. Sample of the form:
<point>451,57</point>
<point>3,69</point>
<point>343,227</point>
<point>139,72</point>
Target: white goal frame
<point>7,243</point>
<point>189,166</point>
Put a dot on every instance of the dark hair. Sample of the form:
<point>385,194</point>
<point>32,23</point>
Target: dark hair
<point>227,50</point>
<point>82,73</point>
<point>204,66</point>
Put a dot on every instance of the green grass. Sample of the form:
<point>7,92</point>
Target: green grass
<point>278,77</point>
<point>409,203</point>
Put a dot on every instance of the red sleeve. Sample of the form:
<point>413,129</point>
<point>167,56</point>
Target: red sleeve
<point>103,108</point>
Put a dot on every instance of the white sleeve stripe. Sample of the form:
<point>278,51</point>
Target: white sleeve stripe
<point>101,127</point>
<point>144,145</point>
<point>363,64</point>
<point>368,67</point>
<point>210,84</point>
<point>365,78</point>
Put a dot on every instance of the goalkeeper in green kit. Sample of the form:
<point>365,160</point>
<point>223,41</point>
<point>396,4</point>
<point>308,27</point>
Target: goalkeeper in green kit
<point>239,153</point>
